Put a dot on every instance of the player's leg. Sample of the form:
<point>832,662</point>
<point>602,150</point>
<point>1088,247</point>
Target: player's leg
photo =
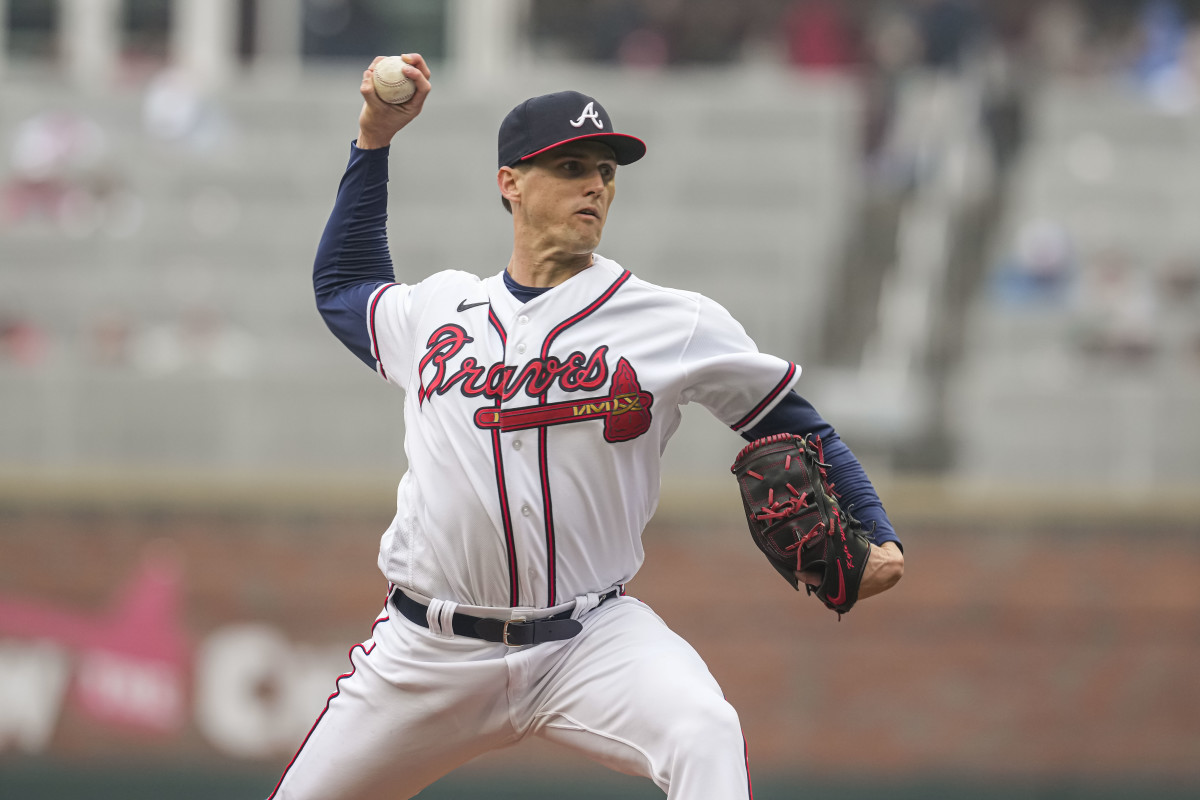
<point>413,708</point>
<point>633,695</point>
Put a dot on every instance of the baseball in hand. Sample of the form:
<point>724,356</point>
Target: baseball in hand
<point>391,84</point>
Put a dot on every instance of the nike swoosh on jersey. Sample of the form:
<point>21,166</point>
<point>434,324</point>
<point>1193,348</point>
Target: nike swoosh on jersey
<point>464,305</point>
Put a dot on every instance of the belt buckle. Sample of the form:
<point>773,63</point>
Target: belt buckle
<point>504,630</point>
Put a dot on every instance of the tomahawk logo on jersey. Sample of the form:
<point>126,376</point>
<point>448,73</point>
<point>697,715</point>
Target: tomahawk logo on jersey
<point>625,410</point>
<point>555,413</point>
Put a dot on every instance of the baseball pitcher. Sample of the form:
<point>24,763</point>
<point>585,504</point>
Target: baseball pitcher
<point>537,403</point>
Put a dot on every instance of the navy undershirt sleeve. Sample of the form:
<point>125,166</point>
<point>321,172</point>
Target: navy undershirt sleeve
<point>352,257</point>
<point>796,415</point>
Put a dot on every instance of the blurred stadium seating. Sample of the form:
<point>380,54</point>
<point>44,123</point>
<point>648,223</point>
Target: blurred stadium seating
<point>178,330</point>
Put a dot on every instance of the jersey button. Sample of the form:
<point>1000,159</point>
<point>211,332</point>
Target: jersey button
<point>526,510</point>
<point>517,444</point>
<point>521,348</point>
<point>523,320</point>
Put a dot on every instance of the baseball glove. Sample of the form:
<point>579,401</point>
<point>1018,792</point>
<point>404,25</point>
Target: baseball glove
<point>796,520</point>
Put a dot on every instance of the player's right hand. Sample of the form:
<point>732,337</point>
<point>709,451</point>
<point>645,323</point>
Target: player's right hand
<point>378,121</point>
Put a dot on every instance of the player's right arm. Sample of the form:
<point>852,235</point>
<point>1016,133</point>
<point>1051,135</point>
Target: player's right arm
<point>353,261</point>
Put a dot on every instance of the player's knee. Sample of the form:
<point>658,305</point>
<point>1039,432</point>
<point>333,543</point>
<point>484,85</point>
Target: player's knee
<point>709,727</point>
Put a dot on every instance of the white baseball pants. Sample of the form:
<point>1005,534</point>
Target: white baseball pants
<point>627,692</point>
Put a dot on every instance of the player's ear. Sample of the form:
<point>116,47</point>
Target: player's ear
<point>509,183</point>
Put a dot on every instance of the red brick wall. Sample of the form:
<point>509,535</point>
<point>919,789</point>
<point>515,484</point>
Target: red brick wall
<point>1012,650</point>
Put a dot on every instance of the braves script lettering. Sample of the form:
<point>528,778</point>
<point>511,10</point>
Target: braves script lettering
<point>625,410</point>
<point>577,372</point>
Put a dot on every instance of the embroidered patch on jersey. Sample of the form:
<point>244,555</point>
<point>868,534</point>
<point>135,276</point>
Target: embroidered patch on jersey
<point>625,410</point>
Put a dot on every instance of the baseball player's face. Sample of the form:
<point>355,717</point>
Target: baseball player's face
<point>565,195</point>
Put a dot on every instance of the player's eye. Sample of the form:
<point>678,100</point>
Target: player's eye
<point>607,171</point>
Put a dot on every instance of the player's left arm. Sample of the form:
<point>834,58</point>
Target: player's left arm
<point>794,414</point>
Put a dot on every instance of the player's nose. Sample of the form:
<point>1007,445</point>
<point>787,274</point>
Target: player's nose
<point>595,182</point>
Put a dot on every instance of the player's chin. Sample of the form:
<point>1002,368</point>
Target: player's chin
<point>587,236</point>
<point>588,222</point>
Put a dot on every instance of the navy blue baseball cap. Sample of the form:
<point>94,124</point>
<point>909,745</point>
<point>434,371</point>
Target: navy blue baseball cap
<point>550,120</point>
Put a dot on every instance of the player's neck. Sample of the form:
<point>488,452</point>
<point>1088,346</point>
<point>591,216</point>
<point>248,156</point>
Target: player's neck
<point>538,270</point>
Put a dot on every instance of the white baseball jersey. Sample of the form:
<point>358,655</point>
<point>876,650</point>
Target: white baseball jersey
<point>534,432</point>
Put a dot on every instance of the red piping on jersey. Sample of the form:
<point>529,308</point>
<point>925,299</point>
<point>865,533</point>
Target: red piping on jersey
<point>766,401</point>
<point>514,580</point>
<point>543,467</point>
<point>496,324</point>
<point>514,574</point>
<point>371,330</point>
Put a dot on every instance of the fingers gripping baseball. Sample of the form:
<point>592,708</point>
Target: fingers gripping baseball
<point>379,121</point>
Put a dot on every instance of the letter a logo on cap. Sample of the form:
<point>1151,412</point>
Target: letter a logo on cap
<point>588,113</point>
